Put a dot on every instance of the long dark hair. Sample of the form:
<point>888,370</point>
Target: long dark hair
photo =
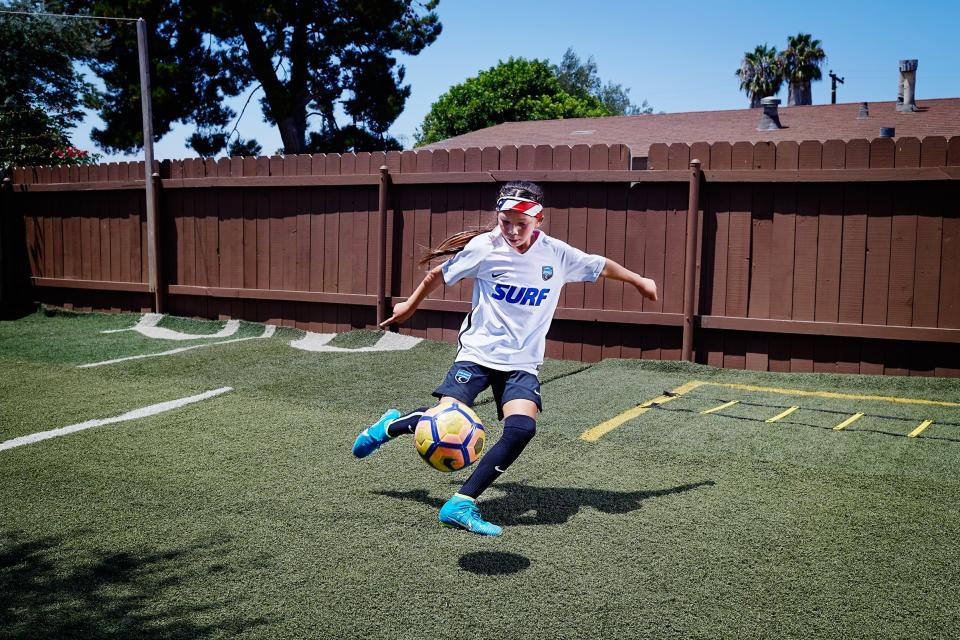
<point>456,242</point>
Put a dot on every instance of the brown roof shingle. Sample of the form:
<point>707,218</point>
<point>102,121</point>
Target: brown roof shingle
<point>940,117</point>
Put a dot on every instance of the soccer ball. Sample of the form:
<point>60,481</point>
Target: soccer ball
<point>449,437</point>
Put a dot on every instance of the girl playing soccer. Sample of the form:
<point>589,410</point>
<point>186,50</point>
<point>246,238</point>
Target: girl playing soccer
<point>518,272</point>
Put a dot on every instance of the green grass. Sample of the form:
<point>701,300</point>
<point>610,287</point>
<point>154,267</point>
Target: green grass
<point>356,339</point>
<point>246,516</point>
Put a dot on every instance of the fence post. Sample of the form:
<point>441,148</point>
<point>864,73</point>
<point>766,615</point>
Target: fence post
<point>159,293</point>
<point>690,270</point>
<point>382,242</point>
<point>5,215</point>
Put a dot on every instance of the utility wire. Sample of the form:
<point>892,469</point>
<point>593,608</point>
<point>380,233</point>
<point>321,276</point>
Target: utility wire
<point>66,15</point>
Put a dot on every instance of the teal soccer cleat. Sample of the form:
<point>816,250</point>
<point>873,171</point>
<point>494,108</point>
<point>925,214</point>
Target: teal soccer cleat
<point>375,435</point>
<point>461,512</point>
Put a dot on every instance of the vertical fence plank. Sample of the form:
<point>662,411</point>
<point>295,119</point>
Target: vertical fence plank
<point>829,248</point>
<point>346,241</point>
<point>447,211</point>
<point>719,217</point>
<point>782,254</point>
<point>331,243</point>
<point>675,232</point>
<point>596,236</point>
<point>211,233</point>
<point>903,239</point>
<point>317,214</point>
<point>456,195</point>
<point>634,259</point>
<point>658,157</point>
<point>805,255</point>
<point>85,220</point>
<point>249,221</point>
<point>139,269</point>
<point>303,244</point>
<point>853,255</point>
<point>758,302</point>
<point>556,223</point>
<point>577,236</point>
<point>614,248</point>
<point>877,264</point>
<point>421,238</point>
<point>437,162</point>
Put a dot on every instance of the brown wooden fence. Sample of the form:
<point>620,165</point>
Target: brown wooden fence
<point>809,257</point>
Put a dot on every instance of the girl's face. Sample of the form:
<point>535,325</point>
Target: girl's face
<point>517,228</point>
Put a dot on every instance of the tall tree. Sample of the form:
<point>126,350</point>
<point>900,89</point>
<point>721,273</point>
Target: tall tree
<point>515,90</point>
<point>760,74</point>
<point>582,79</point>
<point>311,58</point>
<point>41,92</point>
<point>801,62</point>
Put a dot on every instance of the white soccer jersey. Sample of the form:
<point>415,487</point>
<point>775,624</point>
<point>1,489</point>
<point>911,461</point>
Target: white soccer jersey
<point>514,296</point>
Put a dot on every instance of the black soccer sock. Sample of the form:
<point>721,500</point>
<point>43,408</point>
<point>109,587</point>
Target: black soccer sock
<point>406,423</point>
<point>517,432</point>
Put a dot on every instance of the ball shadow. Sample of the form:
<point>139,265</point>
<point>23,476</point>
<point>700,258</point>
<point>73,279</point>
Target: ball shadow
<point>492,563</point>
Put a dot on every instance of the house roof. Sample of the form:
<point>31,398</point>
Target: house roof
<point>939,117</point>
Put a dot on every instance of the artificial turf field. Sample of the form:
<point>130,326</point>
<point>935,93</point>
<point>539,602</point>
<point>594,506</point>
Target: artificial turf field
<point>245,516</point>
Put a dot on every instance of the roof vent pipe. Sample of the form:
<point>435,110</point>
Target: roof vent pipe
<point>864,112</point>
<point>906,87</point>
<point>770,118</point>
<point>887,132</point>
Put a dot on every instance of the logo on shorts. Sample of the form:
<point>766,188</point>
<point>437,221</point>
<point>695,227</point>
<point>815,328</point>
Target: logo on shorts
<point>463,376</point>
<point>547,272</point>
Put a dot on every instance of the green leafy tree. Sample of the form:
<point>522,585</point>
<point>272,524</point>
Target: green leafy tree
<point>800,63</point>
<point>760,74</point>
<point>511,91</point>
<point>42,95</point>
<point>582,79</point>
<point>309,57</point>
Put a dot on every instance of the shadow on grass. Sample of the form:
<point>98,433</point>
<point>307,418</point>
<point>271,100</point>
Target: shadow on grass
<point>54,590</point>
<point>528,505</point>
<point>493,563</point>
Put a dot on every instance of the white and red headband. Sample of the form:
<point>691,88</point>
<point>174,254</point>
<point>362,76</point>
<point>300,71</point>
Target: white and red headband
<point>520,205</point>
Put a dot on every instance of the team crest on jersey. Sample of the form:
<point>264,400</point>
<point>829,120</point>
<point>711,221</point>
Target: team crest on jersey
<point>463,376</point>
<point>547,272</point>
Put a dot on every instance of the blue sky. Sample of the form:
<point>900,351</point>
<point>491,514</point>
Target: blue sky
<point>677,56</point>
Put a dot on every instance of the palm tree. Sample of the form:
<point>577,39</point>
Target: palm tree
<point>801,62</point>
<point>760,74</point>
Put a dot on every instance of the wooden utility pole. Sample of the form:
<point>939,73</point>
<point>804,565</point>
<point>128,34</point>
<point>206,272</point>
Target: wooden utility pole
<point>833,86</point>
<point>150,180</point>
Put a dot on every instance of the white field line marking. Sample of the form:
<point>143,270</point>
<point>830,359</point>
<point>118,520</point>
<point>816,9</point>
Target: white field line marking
<point>143,412</point>
<point>148,326</point>
<point>268,332</point>
<point>388,342</point>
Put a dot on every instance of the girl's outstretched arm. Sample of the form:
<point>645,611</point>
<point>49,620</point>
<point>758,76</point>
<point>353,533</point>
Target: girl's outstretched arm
<point>615,271</point>
<point>405,309</point>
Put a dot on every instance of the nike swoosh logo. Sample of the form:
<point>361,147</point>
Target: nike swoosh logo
<point>498,469</point>
<point>497,275</point>
<point>537,392</point>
